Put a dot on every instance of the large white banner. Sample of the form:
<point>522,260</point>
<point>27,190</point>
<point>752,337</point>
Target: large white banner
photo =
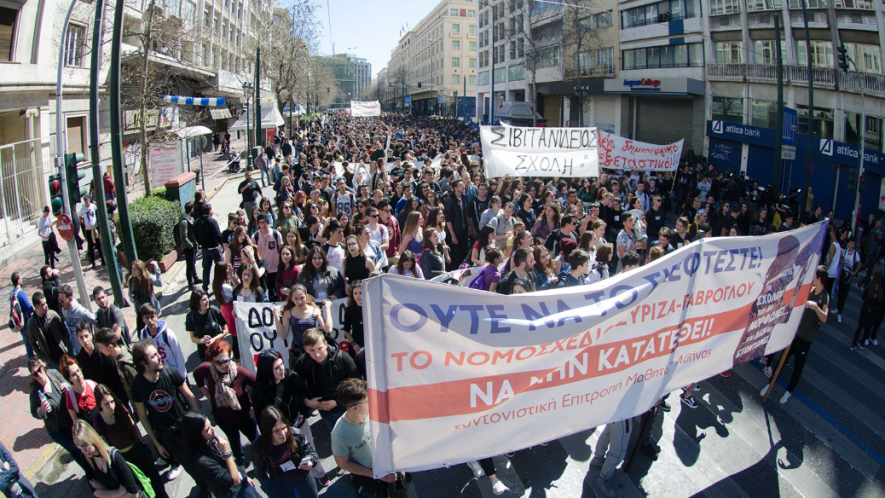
<point>486,374</point>
<point>257,330</point>
<point>620,153</point>
<point>517,151</point>
<point>359,108</point>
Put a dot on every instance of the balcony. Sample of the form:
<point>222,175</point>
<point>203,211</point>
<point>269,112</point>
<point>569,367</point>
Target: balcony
<point>725,23</point>
<point>591,72</point>
<point>826,78</point>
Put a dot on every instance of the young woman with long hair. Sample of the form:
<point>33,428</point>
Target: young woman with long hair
<point>233,255</point>
<point>80,399</point>
<point>431,202</point>
<point>407,266</point>
<point>485,242</point>
<point>432,262</point>
<point>300,314</point>
<point>106,469</point>
<point>204,323</point>
<point>266,208</point>
<point>252,226</point>
<point>287,274</point>
<point>412,205</point>
<point>545,272</point>
<point>413,239</point>
<point>224,384</point>
<point>547,223</point>
<point>115,425</point>
<point>223,288</point>
<point>141,286</point>
<point>353,326</point>
<point>292,240</point>
<point>288,221</point>
<point>284,457</point>
<point>322,280</point>
<point>211,460</point>
<point>356,265</point>
<point>248,290</point>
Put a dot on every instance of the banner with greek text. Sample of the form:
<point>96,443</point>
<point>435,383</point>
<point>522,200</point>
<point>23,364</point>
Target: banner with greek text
<point>257,330</point>
<point>620,153</point>
<point>360,108</point>
<point>517,151</point>
<point>486,374</point>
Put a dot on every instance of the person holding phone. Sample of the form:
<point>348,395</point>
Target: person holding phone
<point>284,458</point>
<point>210,460</point>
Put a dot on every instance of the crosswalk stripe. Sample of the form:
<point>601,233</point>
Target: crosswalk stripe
<point>846,401</point>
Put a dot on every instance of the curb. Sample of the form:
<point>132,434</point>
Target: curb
<point>49,454</point>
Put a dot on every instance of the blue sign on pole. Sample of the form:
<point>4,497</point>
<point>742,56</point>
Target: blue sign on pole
<point>441,99</point>
<point>790,121</point>
<point>408,100</point>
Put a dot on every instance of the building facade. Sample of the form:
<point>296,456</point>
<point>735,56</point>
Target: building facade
<point>435,63</point>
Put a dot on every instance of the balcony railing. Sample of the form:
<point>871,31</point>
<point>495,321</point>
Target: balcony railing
<point>798,75</point>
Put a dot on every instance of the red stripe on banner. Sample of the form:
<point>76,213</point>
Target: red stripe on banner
<point>451,398</point>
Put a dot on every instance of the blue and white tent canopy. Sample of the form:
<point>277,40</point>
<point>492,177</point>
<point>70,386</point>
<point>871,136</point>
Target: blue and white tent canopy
<point>203,101</point>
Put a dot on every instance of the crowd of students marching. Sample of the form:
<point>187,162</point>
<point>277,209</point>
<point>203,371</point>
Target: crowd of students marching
<point>348,203</point>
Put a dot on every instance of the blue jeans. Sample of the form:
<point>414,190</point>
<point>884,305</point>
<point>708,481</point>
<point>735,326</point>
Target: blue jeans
<point>330,418</point>
<point>289,487</point>
<point>28,348</point>
<point>248,429</point>
<point>75,344</point>
<point>265,172</point>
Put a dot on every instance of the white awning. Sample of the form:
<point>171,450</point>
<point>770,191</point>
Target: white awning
<point>193,131</point>
<point>223,113</point>
<point>270,118</point>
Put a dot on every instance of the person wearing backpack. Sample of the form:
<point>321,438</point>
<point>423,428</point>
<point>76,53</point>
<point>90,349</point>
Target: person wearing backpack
<point>185,237</point>
<point>323,368</point>
<point>106,469</point>
<point>20,311</point>
<point>488,277</point>
<point>162,337</point>
<point>579,267</point>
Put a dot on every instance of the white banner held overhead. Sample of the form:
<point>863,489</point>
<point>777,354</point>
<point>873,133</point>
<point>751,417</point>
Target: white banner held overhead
<point>517,151</point>
<point>621,153</point>
<point>360,108</point>
<point>474,368</point>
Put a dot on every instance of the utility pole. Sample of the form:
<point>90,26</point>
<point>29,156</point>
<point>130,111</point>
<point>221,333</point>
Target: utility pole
<point>810,146</point>
<point>60,161</point>
<point>257,104</point>
<point>432,81</point>
<point>843,63</point>
<point>125,224</point>
<point>107,246</point>
<point>779,127</point>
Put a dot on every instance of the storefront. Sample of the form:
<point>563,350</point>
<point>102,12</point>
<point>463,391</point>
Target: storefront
<point>751,149</point>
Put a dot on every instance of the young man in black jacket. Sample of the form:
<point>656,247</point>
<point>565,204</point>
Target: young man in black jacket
<point>323,368</point>
<point>209,238</point>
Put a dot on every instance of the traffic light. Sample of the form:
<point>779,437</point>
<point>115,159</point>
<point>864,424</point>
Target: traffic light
<point>842,53</point>
<point>852,179</point>
<point>56,200</point>
<point>419,84</point>
<point>860,188</point>
<point>73,177</point>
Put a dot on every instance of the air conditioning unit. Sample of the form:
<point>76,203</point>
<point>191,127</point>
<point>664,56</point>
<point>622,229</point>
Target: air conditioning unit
<point>665,17</point>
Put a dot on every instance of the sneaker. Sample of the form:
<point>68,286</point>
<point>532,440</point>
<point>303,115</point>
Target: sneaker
<point>510,455</point>
<point>696,388</point>
<point>161,463</point>
<point>768,371</point>
<point>853,347</point>
<point>174,472</point>
<point>476,468</point>
<point>875,342</point>
<point>764,391</point>
<point>726,374</point>
<point>866,342</point>
<point>605,488</point>
<point>839,318</point>
<point>690,401</point>
<point>499,488</point>
<point>325,482</point>
<point>665,406</point>
<point>785,397</point>
<point>859,345</point>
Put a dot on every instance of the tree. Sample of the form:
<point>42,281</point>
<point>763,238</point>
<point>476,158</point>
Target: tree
<point>580,39</point>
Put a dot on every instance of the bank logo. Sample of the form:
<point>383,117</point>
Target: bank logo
<point>718,127</point>
<point>826,147</point>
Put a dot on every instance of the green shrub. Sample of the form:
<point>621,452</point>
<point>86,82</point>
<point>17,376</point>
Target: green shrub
<point>159,192</point>
<point>152,221</point>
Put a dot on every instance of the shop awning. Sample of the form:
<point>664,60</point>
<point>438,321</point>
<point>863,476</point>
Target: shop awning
<point>222,113</point>
<point>270,118</point>
<point>193,131</point>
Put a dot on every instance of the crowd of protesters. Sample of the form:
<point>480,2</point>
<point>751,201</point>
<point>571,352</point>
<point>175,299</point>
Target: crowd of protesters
<point>352,199</point>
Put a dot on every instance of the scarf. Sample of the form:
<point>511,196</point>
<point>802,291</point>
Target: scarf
<point>225,397</point>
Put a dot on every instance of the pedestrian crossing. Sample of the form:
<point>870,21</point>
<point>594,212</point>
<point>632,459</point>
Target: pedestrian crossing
<point>827,441</point>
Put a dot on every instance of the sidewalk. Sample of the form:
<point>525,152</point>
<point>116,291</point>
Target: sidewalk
<point>22,434</point>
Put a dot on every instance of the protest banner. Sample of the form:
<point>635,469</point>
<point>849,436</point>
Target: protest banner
<point>474,368</point>
<point>257,330</point>
<point>363,108</point>
<point>620,153</point>
<point>562,152</point>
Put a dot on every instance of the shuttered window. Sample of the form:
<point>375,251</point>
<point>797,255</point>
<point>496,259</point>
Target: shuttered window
<point>7,33</point>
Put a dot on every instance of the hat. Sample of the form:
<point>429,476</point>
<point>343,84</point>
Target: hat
<point>567,246</point>
<point>264,217</point>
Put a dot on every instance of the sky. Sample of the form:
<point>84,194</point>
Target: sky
<point>367,29</point>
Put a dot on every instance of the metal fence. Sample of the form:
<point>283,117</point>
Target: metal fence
<point>21,187</point>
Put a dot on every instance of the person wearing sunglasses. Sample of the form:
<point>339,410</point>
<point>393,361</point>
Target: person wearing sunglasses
<point>224,384</point>
<point>47,400</point>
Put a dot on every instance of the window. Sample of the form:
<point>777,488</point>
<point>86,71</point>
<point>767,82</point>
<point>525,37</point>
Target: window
<point>471,80</point>
<point>520,47</point>
<point>453,12</point>
<point>597,62</point>
<point>472,46</point>
<point>719,7</point>
<point>823,121</point>
<point>188,10</point>
<point>483,78</point>
<point>855,4</point>
<point>811,4</point>
<point>456,62</point>
<point>549,31</point>
<point>548,57</point>
<point>456,79</point>
<point>74,46</point>
<point>456,44</point>
<point>821,53</point>
<point>456,29</point>
<point>603,20</point>
<point>640,16</point>
<point>755,5</point>
<point>867,57</point>
<point>471,13</point>
<point>473,62</point>
<point>472,29</point>
<point>688,55</point>
<point>872,135</point>
<point>541,7</point>
<point>728,52</point>
<point>500,75</point>
<point>516,72</point>
<point>207,19</point>
<point>764,114</point>
<point>765,52</point>
<point>730,110</point>
<point>205,58</point>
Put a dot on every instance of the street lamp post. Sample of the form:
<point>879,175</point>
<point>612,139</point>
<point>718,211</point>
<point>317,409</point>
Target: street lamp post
<point>247,92</point>
<point>455,94</point>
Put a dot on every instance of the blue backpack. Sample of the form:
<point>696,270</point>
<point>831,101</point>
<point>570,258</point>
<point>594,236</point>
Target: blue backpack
<point>477,282</point>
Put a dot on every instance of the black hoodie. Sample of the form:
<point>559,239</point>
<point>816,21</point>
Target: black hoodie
<point>322,379</point>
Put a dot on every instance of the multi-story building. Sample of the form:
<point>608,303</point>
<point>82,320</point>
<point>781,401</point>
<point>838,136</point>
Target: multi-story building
<point>210,58</point>
<point>362,73</point>
<point>435,63</point>
<point>344,72</point>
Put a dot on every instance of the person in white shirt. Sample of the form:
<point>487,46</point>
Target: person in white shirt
<point>379,234</point>
<point>50,244</point>
<point>89,219</point>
